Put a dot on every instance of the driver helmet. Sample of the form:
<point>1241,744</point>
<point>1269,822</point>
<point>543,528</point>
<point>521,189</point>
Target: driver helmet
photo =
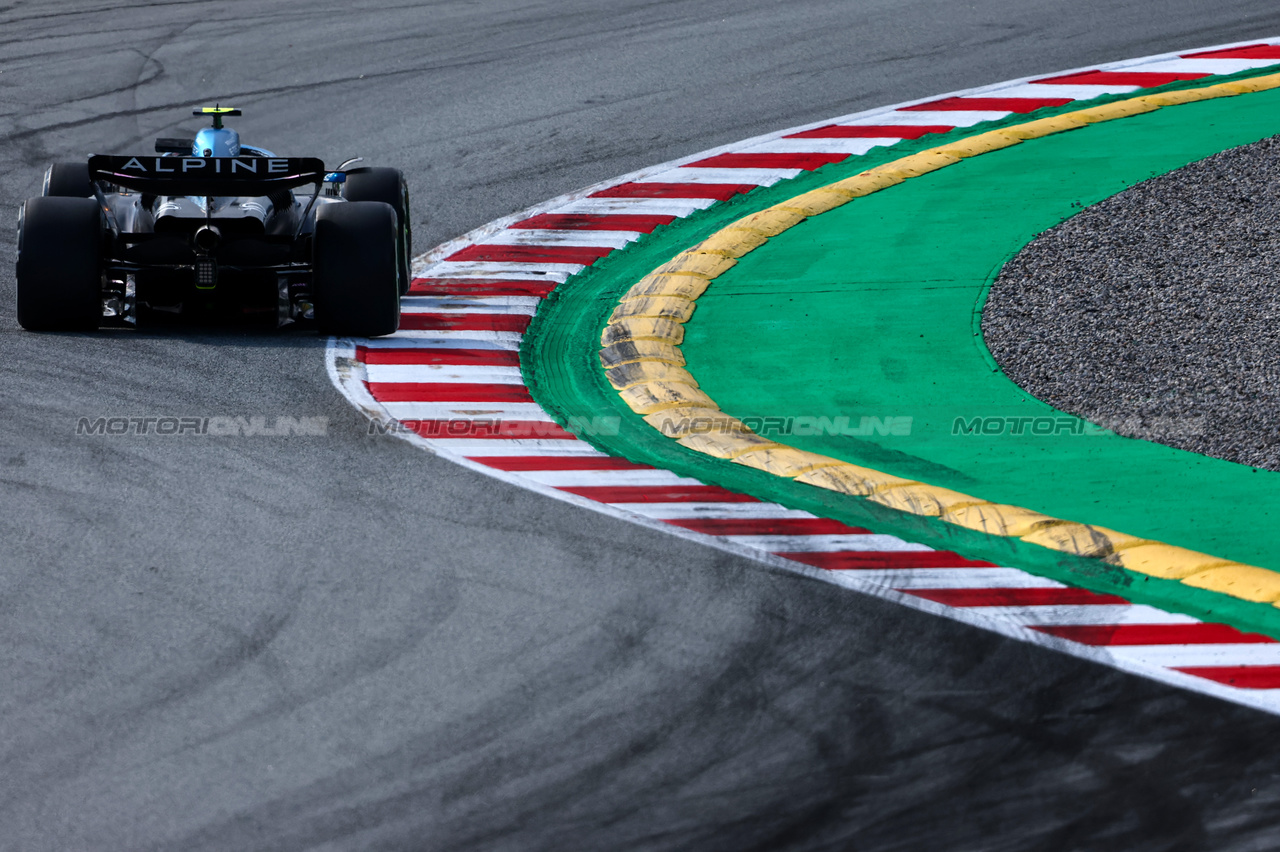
<point>216,142</point>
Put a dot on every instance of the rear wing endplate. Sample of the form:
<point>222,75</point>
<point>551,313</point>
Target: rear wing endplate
<point>256,176</point>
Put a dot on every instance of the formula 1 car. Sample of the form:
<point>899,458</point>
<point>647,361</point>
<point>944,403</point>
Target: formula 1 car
<point>210,227</point>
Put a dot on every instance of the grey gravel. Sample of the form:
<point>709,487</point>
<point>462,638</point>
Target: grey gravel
<point>1156,313</point>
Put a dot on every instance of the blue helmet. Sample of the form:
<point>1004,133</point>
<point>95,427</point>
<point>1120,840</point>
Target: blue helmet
<point>216,141</point>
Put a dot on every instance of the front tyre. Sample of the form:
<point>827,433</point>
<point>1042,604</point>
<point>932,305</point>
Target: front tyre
<point>59,267</point>
<point>355,285</point>
<point>387,185</point>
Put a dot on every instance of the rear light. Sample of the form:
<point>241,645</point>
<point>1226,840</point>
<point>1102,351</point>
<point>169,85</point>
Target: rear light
<point>206,273</point>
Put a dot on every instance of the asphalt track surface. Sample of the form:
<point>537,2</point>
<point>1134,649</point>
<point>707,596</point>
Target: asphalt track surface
<point>341,642</point>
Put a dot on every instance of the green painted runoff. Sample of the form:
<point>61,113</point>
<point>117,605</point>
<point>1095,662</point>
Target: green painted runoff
<point>871,312</point>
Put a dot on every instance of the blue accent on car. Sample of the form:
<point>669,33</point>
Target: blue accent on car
<point>216,142</point>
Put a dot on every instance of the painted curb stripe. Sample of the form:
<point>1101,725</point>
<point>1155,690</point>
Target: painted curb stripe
<point>1005,105</point>
<point>1016,597</point>
<point>777,526</point>
<point>807,162</point>
<point>598,221</point>
<point>447,392</point>
<point>514,323</point>
<point>544,463</point>
<point>489,429</point>
<point>480,357</point>
<point>1253,51</point>
<point>645,494</point>
<point>1136,79</point>
<point>582,255</point>
<point>871,131</point>
<point>479,287</point>
<point>522,449</point>
<point>718,192</point>
<point>1152,634</point>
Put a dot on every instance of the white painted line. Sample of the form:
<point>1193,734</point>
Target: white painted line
<point>580,478</point>
<point>481,411</point>
<point>1206,66</point>
<point>949,578</point>
<point>933,118</point>
<point>711,510</point>
<point>679,207</point>
<point>547,237</point>
<point>557,272</point>
<point>460,339</point>
<point>432,373</point>
<point>513,447</point>
<point>1267,700</point>
<point>504,341</point>
<point>849,145</point>
<point>1082,614</point>
<point>1184,656</point>
<point>471,311</point>
<point>1062,90</point>
<point>463,272</point>
<point>470,304</point>
<point>700,175</point>
<point>826,543</point>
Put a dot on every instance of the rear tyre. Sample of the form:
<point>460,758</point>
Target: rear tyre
<point>59,268</point>
<point>68,180</point>
<point>386,185</point>
<point>355,272</point>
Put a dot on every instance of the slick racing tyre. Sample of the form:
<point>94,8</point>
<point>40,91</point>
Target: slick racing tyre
<point>355,284</point>
<point>59,268</point>
<point>67,180</point>
<point>388,185</point>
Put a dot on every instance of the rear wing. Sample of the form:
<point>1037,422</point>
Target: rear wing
<point>256,176</point>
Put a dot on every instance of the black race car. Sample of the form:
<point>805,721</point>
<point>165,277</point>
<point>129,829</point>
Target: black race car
<point>210,227</point>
